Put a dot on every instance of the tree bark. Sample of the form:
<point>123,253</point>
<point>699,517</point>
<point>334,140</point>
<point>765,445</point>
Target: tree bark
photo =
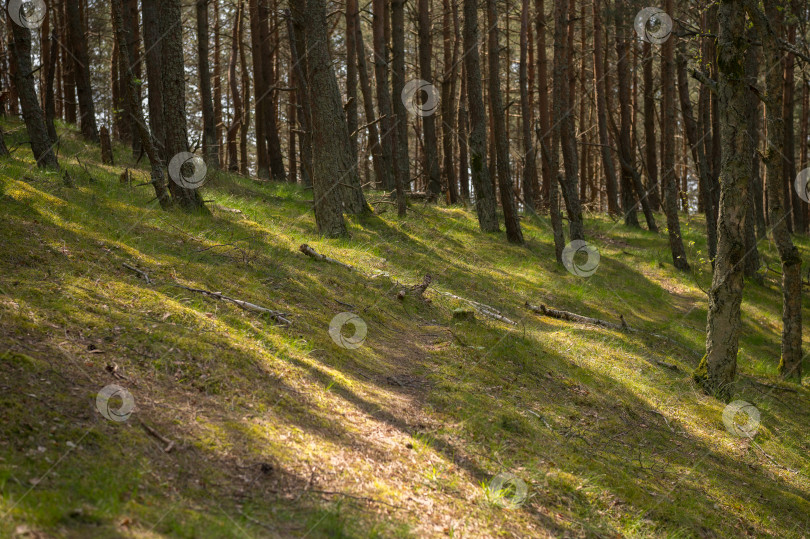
<point>510,215</point>
<point>482,183</point>
<point>153,45</point>
<point>383,95</point>
<point>158,180</point>
<point>210,149</point>
<point>34,118</point>
<point>718,368</point>
<point>669,177</point>
<point>434,186</point>
<point>277,171</point>
<point>649,128</point>
<point>529,153</point>
<point>448,118</point>
<point>542,100</point>
<point>402,174</point>
<point>173,84</point>
<point>790,364</point>
<point>609,169</point>
<point>332,167</point>
<point>81,65</point>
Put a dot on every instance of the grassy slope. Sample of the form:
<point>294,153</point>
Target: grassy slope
<point>281,432</point>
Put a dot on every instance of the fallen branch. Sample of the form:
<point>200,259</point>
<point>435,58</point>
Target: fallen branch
<point>418,289</point>
<point>139,272</point>
<point>309,251</point>
<point>275,315</point>
<point>573,317</point>
<point>486,310</point>
<point>169,444</point>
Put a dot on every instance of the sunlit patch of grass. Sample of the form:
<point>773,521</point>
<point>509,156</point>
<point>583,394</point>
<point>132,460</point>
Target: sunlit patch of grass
<point>400,437</point>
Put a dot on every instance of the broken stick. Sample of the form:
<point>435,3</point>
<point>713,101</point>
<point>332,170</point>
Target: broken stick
<point>486,310</point>
<point>309,251</point>
<point>275,315</point>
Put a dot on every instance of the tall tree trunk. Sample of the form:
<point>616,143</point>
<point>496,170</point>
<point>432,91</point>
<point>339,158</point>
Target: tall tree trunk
<point>559,105</point>
<point>434,185</point>
<point>789,161</point>
<point>158,180</point>
<point>69,67</point>
<point>568,140</point>
<point>669,177</point>
<point>210,149</point>
<point>34,118</point>
<point>133,31</point>
<point>153,45</point>
<point>625,142</point>
<point>277,171</point>
<point>542,100</point>
<point>373,139</point>
<point>698,153</point>
<point>50,103</point>
<point>649,127</point>
<point>81,66</point>
<point>402,173</point>
<point>510,215</point>
<point>244,124</point>
<point>463,136</point>
<point>233,84</point>
<point>218,125</point>
<point>530,157</point>
<point>174,99</point>
<point>448,119</point>
<point>718,368</point>
<point>332,165</point>
<point>259,92</point>
<point>752,261</point>
<point>485,205</point>
<point>351,78</point>
<point>602,112</point>
<point>383,95</point>
<point>790,364</point>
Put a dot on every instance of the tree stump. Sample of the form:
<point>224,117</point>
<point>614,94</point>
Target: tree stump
<point>106,146</point>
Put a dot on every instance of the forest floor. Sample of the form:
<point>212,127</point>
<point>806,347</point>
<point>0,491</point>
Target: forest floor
<point>243,427</point>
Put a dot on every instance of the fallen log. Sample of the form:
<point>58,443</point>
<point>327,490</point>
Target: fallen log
<point>309,251</point>
<point>573,317</point>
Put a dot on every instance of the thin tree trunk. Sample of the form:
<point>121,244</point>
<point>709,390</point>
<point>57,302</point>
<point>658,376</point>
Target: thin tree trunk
<point>649,127</point>
<point>484,193</point>
<point>81,66</point>
<point>559,104</point>
<point>626,151</point>
<point>153,45</point>
<point>530,155</point>
<point>698,153</point>
<point>218,125</point>
<point>383,95</point>
<point>434,185</point>
<point>402,173</point>
<point>233,84</point>
<point>669,177</point>
<point>790,364</point>
<point>34,118</point>
<point>69,67</point>
<point>158,180</point>
<point>259,92</point>
<point>210,149</point>
<point>542,100</point>
<point>752,261</point>
<point>510,215</point>
<point>448,118</point>
<point>269,107</point>
<point>244,124</point>
<point>602,112</point>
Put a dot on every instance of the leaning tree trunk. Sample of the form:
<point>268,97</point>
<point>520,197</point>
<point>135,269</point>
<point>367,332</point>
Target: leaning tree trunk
<point>33,116</point>
<point>158,180</point>
<point>174,98</point>
<point>482,183</point>
<point>332,166</point>
<point>669,177</point>
<point>790,364</point>
<point>718,368</point>
<point>81,65</point>
<point>510,215</point>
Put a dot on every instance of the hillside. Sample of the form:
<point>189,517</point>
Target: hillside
<point>244,426</point>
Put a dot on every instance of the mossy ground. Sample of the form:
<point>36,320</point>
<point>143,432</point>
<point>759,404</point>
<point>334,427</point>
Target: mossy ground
<point>278,431</point>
